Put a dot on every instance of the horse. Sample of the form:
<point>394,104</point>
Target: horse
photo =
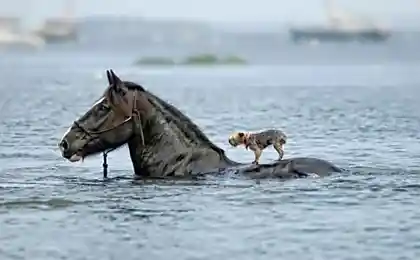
<point>163,142</point>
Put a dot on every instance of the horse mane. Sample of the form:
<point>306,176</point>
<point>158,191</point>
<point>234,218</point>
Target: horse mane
<point>133,86</point>
<point>186,125</point>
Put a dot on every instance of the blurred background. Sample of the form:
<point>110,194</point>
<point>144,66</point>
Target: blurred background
<point>340,78</point>
<point>264,31</point>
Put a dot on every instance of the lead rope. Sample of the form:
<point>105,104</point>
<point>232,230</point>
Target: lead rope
<point>105,163</point>
<point>105,166</point>
<point>105,154</point>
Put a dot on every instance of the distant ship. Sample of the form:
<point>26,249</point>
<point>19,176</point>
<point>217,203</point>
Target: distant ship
<point>338,35</point>
<point>12,37</point>
<point>341,28</point>
<point>60,29</point>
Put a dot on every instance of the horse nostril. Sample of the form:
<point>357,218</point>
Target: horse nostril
<point>64,145</point>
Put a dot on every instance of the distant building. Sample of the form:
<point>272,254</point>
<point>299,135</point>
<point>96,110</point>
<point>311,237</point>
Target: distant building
<point>11,35</point>
<point>60,29</point>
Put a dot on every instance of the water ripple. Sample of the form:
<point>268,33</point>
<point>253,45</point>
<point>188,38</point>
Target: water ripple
<point>52,209</point>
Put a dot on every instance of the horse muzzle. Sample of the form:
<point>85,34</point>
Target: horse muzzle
<point>66,153</point>
<point>72,151</point>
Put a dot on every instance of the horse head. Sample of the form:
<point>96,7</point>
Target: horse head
<point>160,142</point>
<point>115,118</point>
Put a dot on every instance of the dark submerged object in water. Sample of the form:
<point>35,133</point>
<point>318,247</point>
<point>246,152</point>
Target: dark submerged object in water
<point>163,142</point>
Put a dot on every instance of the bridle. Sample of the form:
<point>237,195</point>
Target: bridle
<point>135,117</point>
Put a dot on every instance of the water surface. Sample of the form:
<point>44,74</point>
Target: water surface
<point>355,106</point>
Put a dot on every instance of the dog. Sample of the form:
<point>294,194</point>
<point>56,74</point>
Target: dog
<point>257,142</point>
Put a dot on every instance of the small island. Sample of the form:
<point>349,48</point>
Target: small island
<point>155,61</point>
<point>195,60</point>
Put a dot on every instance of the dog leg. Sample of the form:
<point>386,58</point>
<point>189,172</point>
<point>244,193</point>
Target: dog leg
<point>279,148</point>
<point>257,153</point>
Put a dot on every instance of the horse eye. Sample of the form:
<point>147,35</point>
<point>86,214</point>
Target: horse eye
<point>103,107</point>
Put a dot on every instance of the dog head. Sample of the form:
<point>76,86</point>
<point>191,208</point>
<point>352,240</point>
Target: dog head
<point>237,138</point>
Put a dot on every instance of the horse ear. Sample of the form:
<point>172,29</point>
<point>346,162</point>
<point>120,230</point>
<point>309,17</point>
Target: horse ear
<point>108,75</point>
<point>115,79</point>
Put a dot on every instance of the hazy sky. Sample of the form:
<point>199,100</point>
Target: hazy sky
<point>218,10</point>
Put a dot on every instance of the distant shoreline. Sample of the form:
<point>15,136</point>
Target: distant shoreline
<point>194,60</point>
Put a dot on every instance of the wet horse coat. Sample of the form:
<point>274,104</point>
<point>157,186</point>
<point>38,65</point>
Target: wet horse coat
<point>164,142</point>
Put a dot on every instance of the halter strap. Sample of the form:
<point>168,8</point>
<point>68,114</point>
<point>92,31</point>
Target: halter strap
<point>137,129</point>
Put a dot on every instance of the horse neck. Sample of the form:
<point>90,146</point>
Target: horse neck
<point>189,128</point>
<point>168,151</point>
